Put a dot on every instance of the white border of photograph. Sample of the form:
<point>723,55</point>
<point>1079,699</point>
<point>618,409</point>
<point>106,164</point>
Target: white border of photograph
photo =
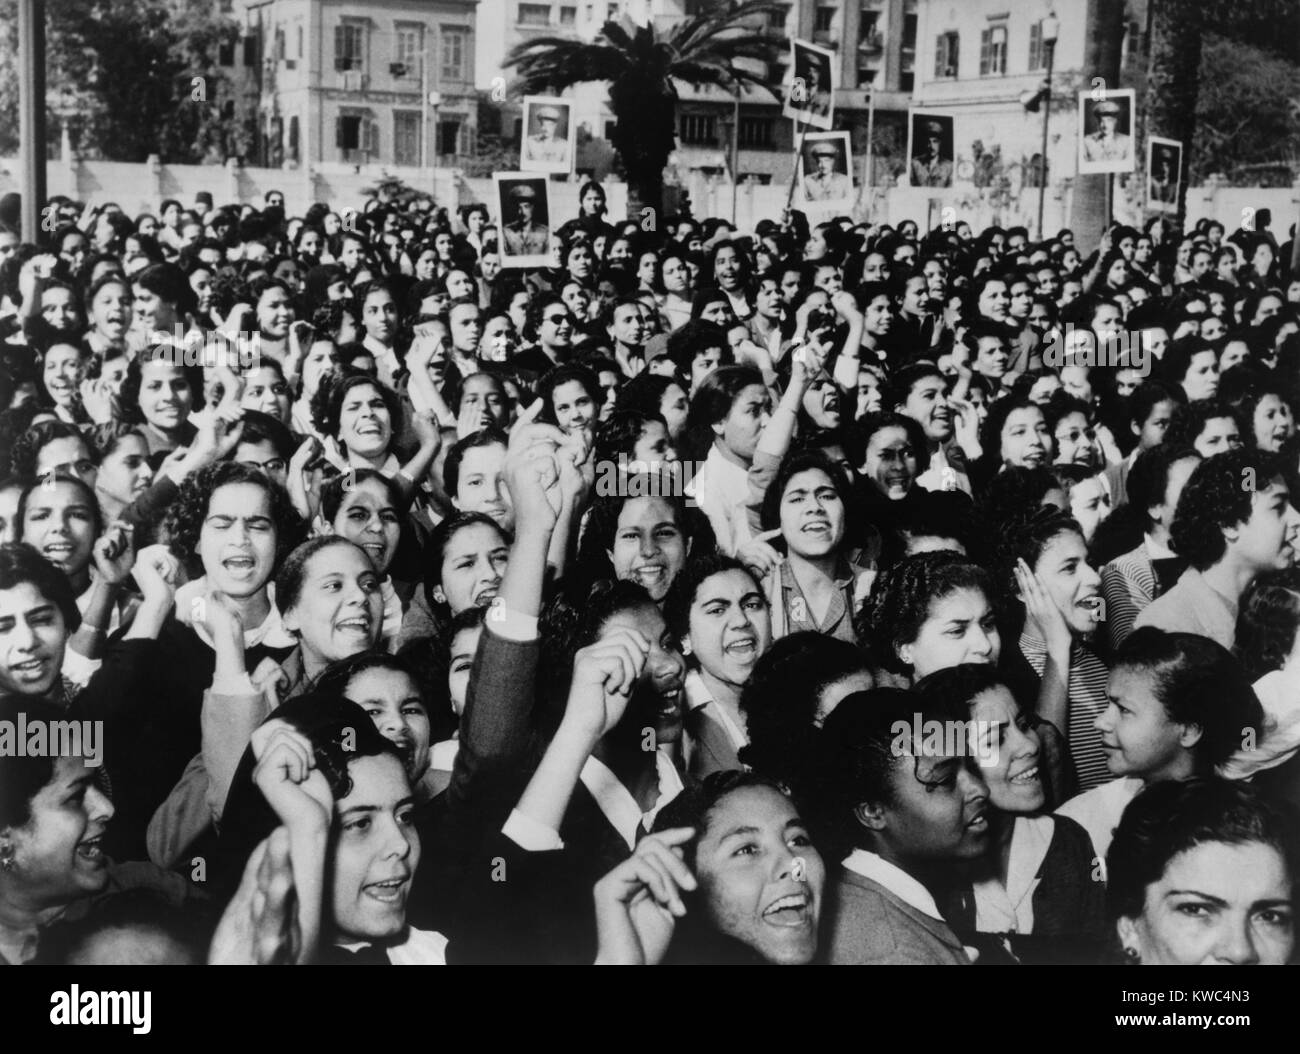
<point>916,115</point>
<point>531,102</point>
<point>801,116</point>
<point>1152,142</point>
<point>502,181</point>
<point>1124,96</point>
<point>845,140</point>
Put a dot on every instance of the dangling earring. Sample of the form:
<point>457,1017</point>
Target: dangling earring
<point>686,646</point>
<point>6,857</point>
<point>1132,955</point>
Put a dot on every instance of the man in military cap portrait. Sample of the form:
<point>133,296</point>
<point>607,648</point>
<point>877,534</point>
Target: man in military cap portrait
<point>824,183</point>
<point>524,235</point>
<point>546,145</point>
<point>930,167</point>
<point>1107,142</point>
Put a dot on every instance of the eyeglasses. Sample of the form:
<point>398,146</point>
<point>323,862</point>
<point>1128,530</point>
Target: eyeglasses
<point>555,320</point>
<point>275,464</point>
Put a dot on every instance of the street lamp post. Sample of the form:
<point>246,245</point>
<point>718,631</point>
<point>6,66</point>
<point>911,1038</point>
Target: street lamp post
<point>31,113</point>
<point>1051,28</point>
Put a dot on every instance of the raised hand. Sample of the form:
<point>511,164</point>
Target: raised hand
<point>759,555</point>
<point>1045,619</point>
<point>114,553</point>
<point>260,926</point>
<point>604,676</point>
<point>157,573</point>
<point>215,613</point>
<point>639,902</point>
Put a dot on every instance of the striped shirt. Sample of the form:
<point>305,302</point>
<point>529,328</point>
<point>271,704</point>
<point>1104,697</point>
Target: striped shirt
<point>1086,701</point>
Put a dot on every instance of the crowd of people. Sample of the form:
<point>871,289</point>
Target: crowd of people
<point>828,592</point>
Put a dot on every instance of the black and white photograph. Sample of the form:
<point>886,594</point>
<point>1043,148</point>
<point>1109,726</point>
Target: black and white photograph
<point>523,209</point>
<point>810,85</point>
<point>1106,133</point>
<point>481,486</point>
<point>930,146</point>
<point>548,135</point>
<point>1164,172</point>
<point>826,170</point>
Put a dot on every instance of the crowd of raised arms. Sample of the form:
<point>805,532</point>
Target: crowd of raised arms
<point>826,592</point>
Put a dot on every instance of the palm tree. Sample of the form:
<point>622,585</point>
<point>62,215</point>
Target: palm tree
<point>718,47</point>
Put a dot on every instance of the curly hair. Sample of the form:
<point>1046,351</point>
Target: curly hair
<point>1190,419</point>
<point>1268,621</point>
<point>1027,539</point>
<point>21,564</point>
<point>27,447</point>
<point>900,603</point>
<point>698,570</point>
<point>183,522</point>
<point>327,403</point>
<point>807,461</point>
<point>1219,494</point>
<point>621,433</point>
<point>1170,817</point>
<point>782,698</point>
<point>168,354</point>
<point>598,533</point>
<point>1199,683</point>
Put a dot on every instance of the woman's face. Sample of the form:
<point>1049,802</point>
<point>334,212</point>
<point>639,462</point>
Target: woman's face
<point>1274,423</point>
<point>1090,505</point>
<point>365,426</point>
<point>483,393</point>
<point>392,699</point>
<point>1071,582</point>
<point>376,851</point>
<point>309,245</point>
<point>1117,275</point>
<point>1202,378</point>
<point>730,625</point>
<point>59,523</point>
<point>649,546</point>
<point>619,251</point>
<point>459,285</point>
<point>821,402</point>
<point>1074,440</point>
<point>656,703</point>
<point>153,314</point>
<point>579,261</point>
<point>237,539</point>
<point>727,268</point>
<point>33,636</point>
<point>1008,749</point>
<point>481,485</point>
<point>498,342</point>
<point>1026,442</point>
<point>761,879</point>
<point>340,610</point>
<point>111,311</point>
<point>321,357</point>
<point>472,568</point>
<point>63,371</point>
<point>994,301</point>
<point>201,283</point>
<point>556,326</point>
<point>426,265</point>
<point>574,408</point>
<point>1217,903</point>
<point>653,449</point>
<point>739,431</point>
<point>165,396</point>
<point>937,809</point>
<point>57,854</point>
<point>645,270</point>
<point>891,462</point>
<point>812,515</point>
<point>870,399</point>
<point>70,455</point>
<point>368,519</point>
<point>464,645</point>
<point>274,313</point>
<point>677,279</point>
<point>59,309</point>
<point>705,362</point>
<point>674,406</point>
<point>266,391</point>
<point>592,203</point>
<point>125,474</point>
<point>959,628</point>
<point>379,316</point>
<point>1136,733</point>
<point>577,299</point>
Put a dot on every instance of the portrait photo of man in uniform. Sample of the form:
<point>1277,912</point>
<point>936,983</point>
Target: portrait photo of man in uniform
<point>826,168</point>
<point>931,151</point>
<point>548,139</point>
<point>525,219</point>
<point>1164,166</point>
<point>1106,143</point>
<point>810,93</point>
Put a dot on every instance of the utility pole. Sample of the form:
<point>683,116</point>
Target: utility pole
<point>31,113</point>
<point>424,108</point>
<point>1051,28</point>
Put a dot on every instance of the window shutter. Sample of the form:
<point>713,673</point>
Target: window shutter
<point>372,137</point>
<point>338,48</point>
<point>338,132</point>
<point>986,48</point>
<point>954,53</point>
<point>940,54</point>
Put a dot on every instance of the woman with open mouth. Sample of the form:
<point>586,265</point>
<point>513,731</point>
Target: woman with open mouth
<point>60,519</point>
<point>1036,877</point>
<point>63,368</point>
<point>644,538</point>
<point>366,509</point>
<point>341,792</point>
<point>110,307</point>
<point>730,876</point>
<point>159,394</point>
<point>724,620</point>
<point>1014,433</point>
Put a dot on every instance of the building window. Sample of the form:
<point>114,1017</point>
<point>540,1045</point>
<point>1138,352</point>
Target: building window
<point>453,54</point>
<point>945,55</point>
<point>279,45</point>
<point>349,46</point>
<point>757,131</point>
<point>300,41</point>
<point>448,137</point>
<point>824,19</point>
<point>409,46</point>
<point>1037,54</point>
<point>292,146</point>
<point>226,53</point>
<point>610,128</point>
<point>777,19</point>
<point>907,54</point>
<point>993,51</point>
<point>534,14</point>
<point>568,16</point>
<point>406,137</point>
<point>250,51</point>
<point>699,129</point>
<point>356,136</point>
<point>870,37</point>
